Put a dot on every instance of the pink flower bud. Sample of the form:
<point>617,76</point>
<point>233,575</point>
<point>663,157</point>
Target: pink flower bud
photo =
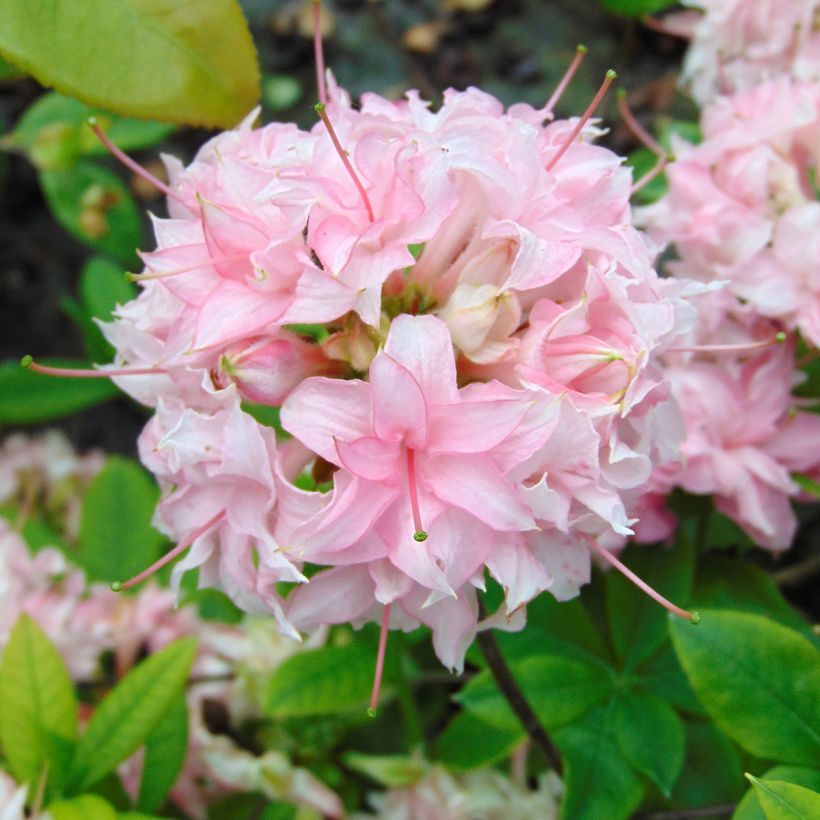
<point>266,370</point>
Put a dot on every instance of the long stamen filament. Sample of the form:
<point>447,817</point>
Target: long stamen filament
<point>320,109</point>
<point>580,53</point>
<point>778,338</point>
<point>596,101</point>
<point>377,676</point>
<point>419,534</point>
<point>646,139</point>
<point>318,51</point>
<point>132,165</point>
<point>118,586</point>
<point>692,617</point>
<point>163,274</point>
<point>78,373</point>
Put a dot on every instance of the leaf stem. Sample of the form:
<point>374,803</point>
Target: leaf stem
<point>515,697</point>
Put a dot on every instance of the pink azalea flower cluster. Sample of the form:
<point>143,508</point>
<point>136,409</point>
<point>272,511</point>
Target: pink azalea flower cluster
<point>742,204</point>
<point>461,327</point>
<point>737,44</point>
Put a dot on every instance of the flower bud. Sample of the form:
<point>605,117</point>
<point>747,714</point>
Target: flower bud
<point>266,370</point>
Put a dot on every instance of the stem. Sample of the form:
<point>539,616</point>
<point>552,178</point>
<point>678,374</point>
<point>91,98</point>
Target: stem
<point>797,573</point>
<point>515,697</point>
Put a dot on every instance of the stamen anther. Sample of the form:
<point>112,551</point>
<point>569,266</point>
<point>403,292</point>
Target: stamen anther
<point>320,109</point>
<point>131,164</point>
<point>79,373</point>
<point>609,78</point>
<point>580,53</point>
<point>118,586</point>
<point>692,617</point>
<point>420,536</point>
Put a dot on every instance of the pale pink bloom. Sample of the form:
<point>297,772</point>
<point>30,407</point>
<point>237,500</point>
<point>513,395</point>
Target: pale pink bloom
<point>223,489</point>
<point>12,798</point>
<point>738,44</point>
<point>744,436</point>
<point>741,207</point>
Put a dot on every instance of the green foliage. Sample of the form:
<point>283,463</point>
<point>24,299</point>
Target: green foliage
<point>116,539</point>
<point>27,397</point>
<point>165,751</point>
<point>389,771</point>
<point>173,60</point>
<point>471,743</point>
<point>758,680</point>
<point>749,807</point>
<point>131,713</point>
<point>636,8</point>
<point>95,207</point>
<point>786,801</point>
<point>84,807</point>
<point>38,711</point>
<point>334,679</point>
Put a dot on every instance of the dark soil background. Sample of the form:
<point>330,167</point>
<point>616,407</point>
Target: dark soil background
<point>515,49</point>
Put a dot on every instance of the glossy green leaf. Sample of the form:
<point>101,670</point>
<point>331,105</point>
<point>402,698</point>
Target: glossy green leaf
<point>470,743</point>
<point>131,713</point>
<point>103,286</point>
<point>636,8</point>
<point>786,801</point>
<point>749,807</point>
<point>662,675</point>
<point>84,807</point>
<point>807,484</point>
<point>116,539</point>
<point>165,751</point>
<point>172,60</point>
<point>712,773</point>
<point>600,784</point>
<point>38,710</point>
<point>325,681</point>
<point>54,131</point>
<point>638,624</point>
<point>758,680</point>
<point>95,207</point>
<point>559,690</point>
<point>651,737</point>
<point>30,398</point>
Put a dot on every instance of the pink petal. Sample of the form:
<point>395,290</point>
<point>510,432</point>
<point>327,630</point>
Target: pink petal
<point>333,596</point>
<point>474,427</point>
<point>370,457</point>
<point>399,409</point>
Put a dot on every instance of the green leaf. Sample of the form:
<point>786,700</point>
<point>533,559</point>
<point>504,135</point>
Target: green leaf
<point>38,710</point>
<point>749,807</point>
<point>325,681</point>
<point>85,807</point>
<point>95,207</point>
<point>651,736</point>
<point>116,539</point>
<point>103,287</point>
<point>470,743</point>
<point>808,485</point>
<point>131,713</point>
<point>758,680</point>
<point>600,784</point>
<point>390,771</point>
<point>662,675</point>
<point>712,773</point>
<point>54,132</point>
<point>559,690</point>
<point>173,60</point>
<point>786,801</point>
<point>637,623</point>
<point>165,752</point>
<point>636,8</point>
<point>27,397</point>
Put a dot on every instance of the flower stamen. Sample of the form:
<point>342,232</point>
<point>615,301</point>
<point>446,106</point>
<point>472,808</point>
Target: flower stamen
<point>778,338</point>
<point>81,373</point>
<point>320,109</point>
<point>132,165</point>
<point>377,676</point>
<point>420,533</point>
<point>580,53</point>
<point>692,617</point>
<point>609,78</point>
<point>163,274</point>
<point>118,586</point>
<point>645,138</point>
<point>318,51</point>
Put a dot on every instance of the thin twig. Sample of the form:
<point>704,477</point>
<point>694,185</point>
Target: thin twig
<point>797,573</point>
<point>515,697</point>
